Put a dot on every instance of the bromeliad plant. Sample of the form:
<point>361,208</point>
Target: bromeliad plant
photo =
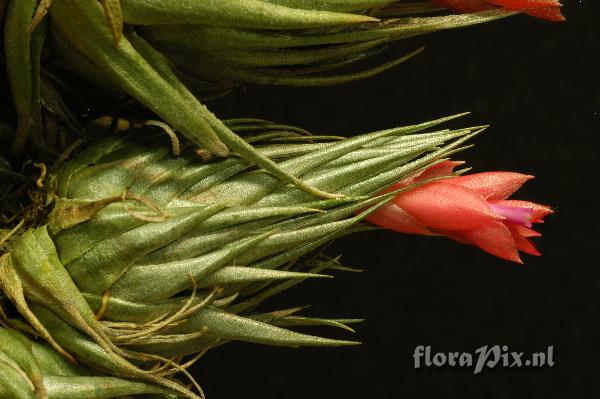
<point>145,257</point>
<point>136,257</point>
<point>160,52</point>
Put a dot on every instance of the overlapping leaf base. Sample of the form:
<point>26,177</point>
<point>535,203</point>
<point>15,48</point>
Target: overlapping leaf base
<point>31,370</point>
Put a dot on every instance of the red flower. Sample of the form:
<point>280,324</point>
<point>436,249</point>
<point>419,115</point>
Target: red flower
<point>471,209</point>
<point>544,9</point>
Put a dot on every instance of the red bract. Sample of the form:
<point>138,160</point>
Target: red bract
<point>544,9</point>
<point>472,209</point>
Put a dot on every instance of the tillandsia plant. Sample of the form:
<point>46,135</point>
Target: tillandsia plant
<point>140,261</point>
<point>160,52</point>
<point>141,249</point>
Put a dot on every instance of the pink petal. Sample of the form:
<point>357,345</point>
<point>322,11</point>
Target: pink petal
<point>454,235</point>
<point>392,217</point>
<point>549,14</point>
<point>523,243</point>
<point>524,231</point>
<point>492,186</point>
<point>543,9</point>
<point>444,168</point>
<point>494,238</point>
<point>445,206</point>
<point>524,4</point>
<point>539,211</point>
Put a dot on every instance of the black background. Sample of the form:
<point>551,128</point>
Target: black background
<point>538,85</point>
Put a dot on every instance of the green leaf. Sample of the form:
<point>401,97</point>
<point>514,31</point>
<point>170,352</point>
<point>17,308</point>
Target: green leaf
<point>332,5</point>
<point>152,283</point>
<point>13,384</point>
<point>99,268</point>
<point>229,327</point>
<point>302,321</point>
<point>17,348</point>
<point>22,51</point>
<point>93,387</point>
<point>46,281</point>
<point>114,18</point>
<point>203,38</point>
<point>242,13</point>
<point>123,65</point>
<point>237,274</point>
<point>94,355</point>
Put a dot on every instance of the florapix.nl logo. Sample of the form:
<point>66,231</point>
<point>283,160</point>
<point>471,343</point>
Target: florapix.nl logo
<point>480,358</point>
